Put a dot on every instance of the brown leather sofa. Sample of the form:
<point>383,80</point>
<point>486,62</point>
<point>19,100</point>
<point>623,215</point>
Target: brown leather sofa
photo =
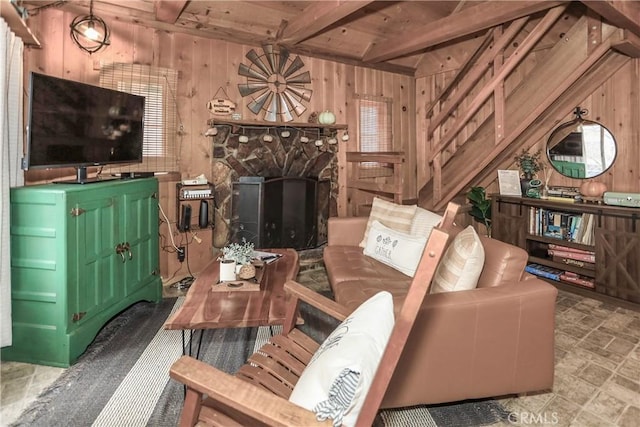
<point>491,341</point>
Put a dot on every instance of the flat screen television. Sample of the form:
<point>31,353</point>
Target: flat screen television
<point>73,124</point>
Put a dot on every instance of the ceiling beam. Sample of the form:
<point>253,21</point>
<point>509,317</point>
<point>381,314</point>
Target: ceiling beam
<point>9,13</point>
<point>468,21</point>
<point>169,10</point>
<point>317,17</point>
<point>622,14</point>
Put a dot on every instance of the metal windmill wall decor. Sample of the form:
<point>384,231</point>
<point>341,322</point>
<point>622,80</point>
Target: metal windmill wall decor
<point>275,89</point>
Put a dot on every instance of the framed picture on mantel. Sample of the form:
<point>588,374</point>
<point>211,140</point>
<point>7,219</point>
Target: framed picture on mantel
<point>509,181</point>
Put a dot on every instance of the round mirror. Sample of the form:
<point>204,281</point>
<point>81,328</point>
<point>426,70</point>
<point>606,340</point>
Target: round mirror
<point>581,148</point>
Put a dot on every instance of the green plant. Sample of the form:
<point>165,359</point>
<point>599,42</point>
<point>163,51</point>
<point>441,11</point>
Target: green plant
<point>241,253</point>
<point>480,207</point>
<point>529,164</point>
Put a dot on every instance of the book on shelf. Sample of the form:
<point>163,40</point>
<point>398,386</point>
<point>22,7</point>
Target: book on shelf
<point>562,199</point>
<point>573,255</point>
<point>574,262</point>
<point>544,271</point>
<point>573,227</point>
<point>576,279</point>
<point>569,249</point>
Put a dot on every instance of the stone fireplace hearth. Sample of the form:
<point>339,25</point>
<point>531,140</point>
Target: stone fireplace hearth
<point>283,156</point>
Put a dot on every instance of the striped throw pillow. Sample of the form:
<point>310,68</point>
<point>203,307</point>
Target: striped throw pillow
<point>423,222</point>
<point>461,264</point>
<point>396,217</point>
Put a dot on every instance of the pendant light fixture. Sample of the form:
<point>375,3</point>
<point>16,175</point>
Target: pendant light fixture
<point>90,32</point>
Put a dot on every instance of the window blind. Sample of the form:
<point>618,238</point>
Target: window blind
<point>375,132</point>
<point>158,86</point>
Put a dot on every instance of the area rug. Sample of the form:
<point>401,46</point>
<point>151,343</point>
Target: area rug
<point>122,379</point>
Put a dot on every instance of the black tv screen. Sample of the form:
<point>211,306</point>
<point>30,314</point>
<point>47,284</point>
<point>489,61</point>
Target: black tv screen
<point>73,124</point>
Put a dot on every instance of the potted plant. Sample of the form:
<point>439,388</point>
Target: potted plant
<point>529,165</point>
<point>241,255</point>
<point>480,207</point>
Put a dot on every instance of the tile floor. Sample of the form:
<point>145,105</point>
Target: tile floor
<point>597,369</point>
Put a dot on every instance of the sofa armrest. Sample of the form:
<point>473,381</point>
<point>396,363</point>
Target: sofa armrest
<point>346,231</point>
<point>478,343</point>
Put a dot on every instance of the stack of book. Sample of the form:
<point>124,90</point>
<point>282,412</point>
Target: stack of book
<point>544,271</point>
<point>561,193</point>
<point>572,256</point>
<point>577,279</point>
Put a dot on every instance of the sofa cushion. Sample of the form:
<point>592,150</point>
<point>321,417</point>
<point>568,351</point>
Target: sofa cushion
<point>345,263</point>
<point>336,381</point>
<point>351,293</point>
<point>461,265</point>
<point>392,215</point>
<point>399,250</point>
<point>423,222</point>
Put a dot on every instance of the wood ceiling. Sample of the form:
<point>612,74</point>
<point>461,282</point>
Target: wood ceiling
<point>395,36</point>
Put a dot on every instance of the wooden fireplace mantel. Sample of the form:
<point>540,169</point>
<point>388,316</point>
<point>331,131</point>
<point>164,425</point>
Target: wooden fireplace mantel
<point>257,123</point>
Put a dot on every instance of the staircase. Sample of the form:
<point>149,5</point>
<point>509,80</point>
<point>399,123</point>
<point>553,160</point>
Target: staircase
<point>585,58</point>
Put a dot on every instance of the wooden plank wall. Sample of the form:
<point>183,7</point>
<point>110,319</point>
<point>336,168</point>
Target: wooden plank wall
<point>205,66</point>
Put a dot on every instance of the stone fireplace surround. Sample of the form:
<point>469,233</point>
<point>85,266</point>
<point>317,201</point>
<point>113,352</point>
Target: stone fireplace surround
<point>282,157</point>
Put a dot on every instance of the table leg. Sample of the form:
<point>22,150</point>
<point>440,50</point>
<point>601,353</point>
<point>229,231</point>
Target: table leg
<point>184,343</point>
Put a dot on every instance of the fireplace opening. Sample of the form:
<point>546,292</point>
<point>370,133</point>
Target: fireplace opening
<point>282,212</point>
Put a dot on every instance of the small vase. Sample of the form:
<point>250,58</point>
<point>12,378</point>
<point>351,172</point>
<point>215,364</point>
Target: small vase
<point>525,185</point>
<point>227,270</point>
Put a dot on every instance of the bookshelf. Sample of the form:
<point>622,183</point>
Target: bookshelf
<point>591,249</point>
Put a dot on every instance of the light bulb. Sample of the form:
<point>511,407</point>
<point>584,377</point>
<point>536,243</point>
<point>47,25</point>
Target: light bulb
<point>91,33</point>
<point>332,141</point>
<point>243,138</point>
<point>345,137</point>
<point>318,143</point>
<point>267,138</point>
<point>304,139</point>
<point>285,134</point>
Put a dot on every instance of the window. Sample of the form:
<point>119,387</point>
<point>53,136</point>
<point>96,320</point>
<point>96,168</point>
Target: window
<point>158,86</point>
<point>375,133</point>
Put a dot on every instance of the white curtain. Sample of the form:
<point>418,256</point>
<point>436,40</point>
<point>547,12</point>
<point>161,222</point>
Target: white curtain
<point>11,52</point>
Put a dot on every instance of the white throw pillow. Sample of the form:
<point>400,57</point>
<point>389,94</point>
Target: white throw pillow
<point>401,251</point>
<point>461,265</point>
<point>423,222</point>
<point>336,381</point>
<point>394,216</point>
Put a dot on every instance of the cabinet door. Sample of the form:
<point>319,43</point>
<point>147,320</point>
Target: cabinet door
<point>139,232</point>
<point>509,222</point>
<point>94,273</point>
<point>618,261</point>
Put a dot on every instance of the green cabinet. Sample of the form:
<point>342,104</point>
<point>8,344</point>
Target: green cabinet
<point>79,255</point>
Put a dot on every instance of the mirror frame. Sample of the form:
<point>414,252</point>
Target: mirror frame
<point>571,126</point>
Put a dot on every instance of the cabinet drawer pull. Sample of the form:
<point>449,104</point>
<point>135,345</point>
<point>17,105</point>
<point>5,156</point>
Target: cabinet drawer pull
<point>120,251</point>
<point>127,248</point>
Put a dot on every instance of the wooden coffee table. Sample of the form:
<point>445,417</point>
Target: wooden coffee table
<point>205,309</point>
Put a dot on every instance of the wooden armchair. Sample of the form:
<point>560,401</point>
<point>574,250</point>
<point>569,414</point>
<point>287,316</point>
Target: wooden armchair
<point>258,393</point>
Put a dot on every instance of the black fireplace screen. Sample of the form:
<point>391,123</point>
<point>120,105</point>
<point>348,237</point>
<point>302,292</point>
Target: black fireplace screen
<point>284,212</point>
